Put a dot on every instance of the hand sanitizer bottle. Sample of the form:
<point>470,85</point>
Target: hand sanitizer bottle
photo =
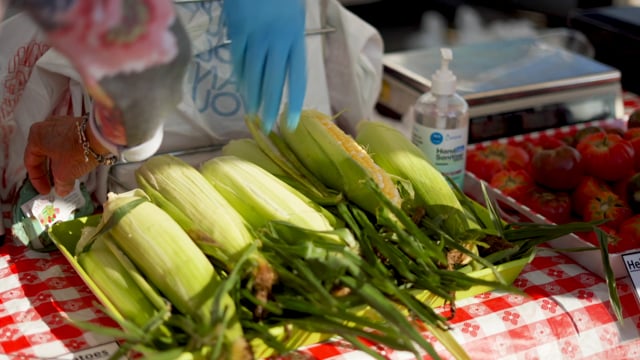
<point>441,123</point>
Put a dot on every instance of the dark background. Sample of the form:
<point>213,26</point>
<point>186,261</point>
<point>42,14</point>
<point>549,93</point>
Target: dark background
<point>397,18</point>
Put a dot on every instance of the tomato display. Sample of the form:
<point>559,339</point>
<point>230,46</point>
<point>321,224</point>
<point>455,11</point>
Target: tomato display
<point>607,206</point>
<point>488,161</point>
<point>629,232</point>
<point>607,155</point>
<point>589,173</point>
<point>558,168</point>
<point>584,132</point>
<point>588,188</point>
<point>514,183</point>
<point>633,137</point>
<point>542,143</point>
<point>555,206</point>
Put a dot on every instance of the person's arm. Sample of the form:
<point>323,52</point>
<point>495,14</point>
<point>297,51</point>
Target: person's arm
<point>62,149</point>
<point>132,66</point>
<point>134,80</point>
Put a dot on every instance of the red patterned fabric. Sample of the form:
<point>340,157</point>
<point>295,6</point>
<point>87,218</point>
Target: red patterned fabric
<point>565,314</point>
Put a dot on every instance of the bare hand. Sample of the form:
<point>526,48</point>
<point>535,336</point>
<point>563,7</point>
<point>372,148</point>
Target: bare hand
<point>54,152</point>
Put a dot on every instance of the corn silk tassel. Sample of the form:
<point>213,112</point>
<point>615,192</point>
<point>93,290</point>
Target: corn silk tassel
<point>296,175</point>
<point>338,160</point>
<point>209,219</point>
<point>172,263</point>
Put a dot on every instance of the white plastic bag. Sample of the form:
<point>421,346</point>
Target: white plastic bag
<point>22,46</point>
<point>37,82</point>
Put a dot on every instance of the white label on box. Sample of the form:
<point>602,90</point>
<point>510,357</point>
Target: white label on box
<point>100,352</point>
<point>632,264</point>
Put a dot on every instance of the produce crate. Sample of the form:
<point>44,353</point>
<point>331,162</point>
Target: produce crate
<point>66,235</point>
<point>514,211</point>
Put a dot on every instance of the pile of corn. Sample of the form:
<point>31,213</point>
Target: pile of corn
<point>308,229</point>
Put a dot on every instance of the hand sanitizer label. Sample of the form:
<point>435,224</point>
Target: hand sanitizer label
<point>446,149</point>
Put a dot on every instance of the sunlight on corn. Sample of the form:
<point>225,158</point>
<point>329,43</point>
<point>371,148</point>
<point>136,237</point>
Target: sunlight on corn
<point>259,196</point>
<point>182,191</point>
<point>397,155</point>
<point>338,160</point>
<point>115,282</point>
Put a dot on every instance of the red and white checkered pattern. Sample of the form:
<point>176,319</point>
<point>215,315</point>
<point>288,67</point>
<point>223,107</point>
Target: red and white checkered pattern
<point>38,291</point>
<point>564,314</point>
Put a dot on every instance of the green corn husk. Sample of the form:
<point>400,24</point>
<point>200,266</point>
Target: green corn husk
<point>338,160</point>
<point>259,196</point>
<point>170,261</point>
<point>115,282</point>
<point>162,251</point>
<point>392,151</point>
<point>249,150</point>
<point>215,226</point>
<point>182,191</point>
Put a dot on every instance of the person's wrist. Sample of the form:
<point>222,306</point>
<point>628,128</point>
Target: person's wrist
<point>95,143</point>
<point>92,148</point>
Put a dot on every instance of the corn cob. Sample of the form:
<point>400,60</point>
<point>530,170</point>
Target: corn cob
<point>115,283</point>
<point>170,260</point>
<point>398,156</point>
<point>249,150</point>
<point>338,160</point>
<point>203,213</point>
<point>162,251</point>
<point>259,196</point>
<point>215,226</point>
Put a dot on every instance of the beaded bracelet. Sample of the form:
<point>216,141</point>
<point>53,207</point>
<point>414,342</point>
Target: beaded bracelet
<point>108,159</point>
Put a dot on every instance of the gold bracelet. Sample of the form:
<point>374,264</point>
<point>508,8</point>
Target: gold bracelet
<point>108,159</point>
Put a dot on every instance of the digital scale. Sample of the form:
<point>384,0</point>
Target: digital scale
<point>512,86</point>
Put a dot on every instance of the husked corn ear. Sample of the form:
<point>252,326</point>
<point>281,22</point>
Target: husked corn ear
<point>182,191</point>
<point>115,283</point>
<point>397,155</point>
<point>259,196</point>
<point>338,160</point>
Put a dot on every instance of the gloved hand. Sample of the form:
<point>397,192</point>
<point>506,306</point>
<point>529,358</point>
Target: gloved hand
<point>267,45</point>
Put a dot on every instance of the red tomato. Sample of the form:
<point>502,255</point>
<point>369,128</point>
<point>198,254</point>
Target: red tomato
<point>613,240</point>
<point>634,119</point>
<point>559,168</point>
<point>607,206</point>
<point>555,206</point>
<point>584,132</point>
<point>486,162</point>
<point>541,143</point>
<point>607,156</point>
<point>514,183</point>
<point>633,136</point>
<point>629,232</point>
<point>588,188</point>
<point>621,187</point>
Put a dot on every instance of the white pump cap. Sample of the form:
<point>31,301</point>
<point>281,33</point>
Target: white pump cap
<point>443,81</point>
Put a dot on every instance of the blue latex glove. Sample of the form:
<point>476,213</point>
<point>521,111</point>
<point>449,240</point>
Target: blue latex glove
<point>267,45</point>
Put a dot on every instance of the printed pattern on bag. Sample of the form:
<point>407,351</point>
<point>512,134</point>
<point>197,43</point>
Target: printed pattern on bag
<point>19,69</point>
<point>18,73</point>
<point>213,89</point>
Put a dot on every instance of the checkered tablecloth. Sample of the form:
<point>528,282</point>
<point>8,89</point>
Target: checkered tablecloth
<point>565,314</point>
